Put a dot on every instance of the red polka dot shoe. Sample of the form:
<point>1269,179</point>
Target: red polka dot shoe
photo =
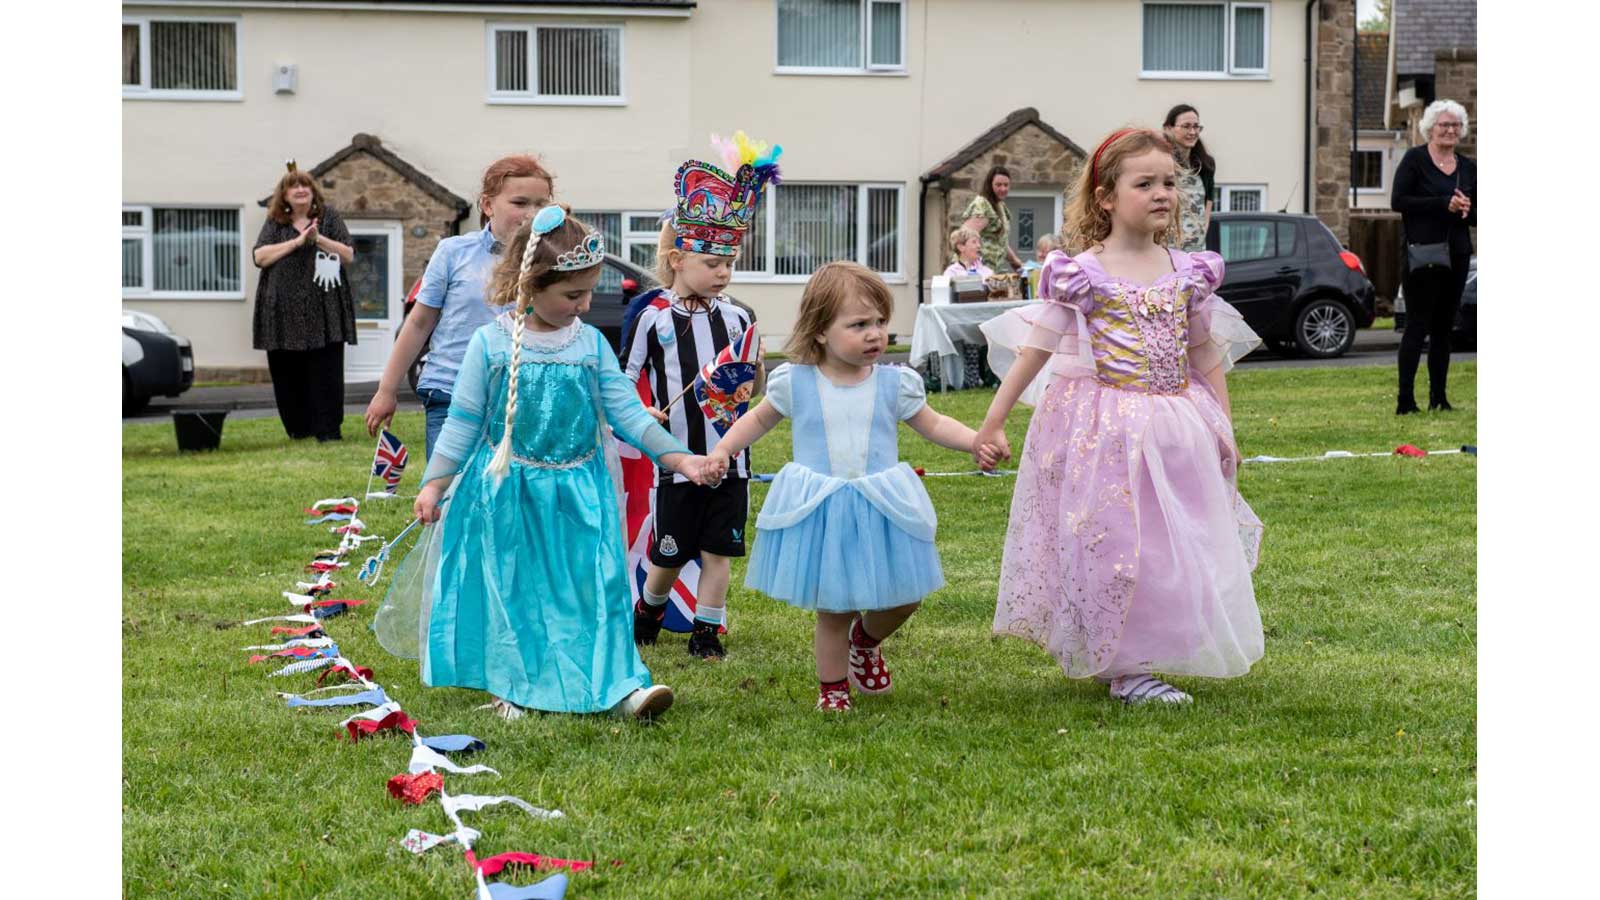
<point>833,699</point>
<point>868,672</point>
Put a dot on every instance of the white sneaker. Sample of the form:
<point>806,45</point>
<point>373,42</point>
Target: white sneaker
<point>505,709</point>
<point>644,703</point>
<point>1135,690</point>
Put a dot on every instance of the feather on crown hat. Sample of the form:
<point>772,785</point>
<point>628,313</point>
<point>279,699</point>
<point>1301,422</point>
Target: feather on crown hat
<point>714,209</point>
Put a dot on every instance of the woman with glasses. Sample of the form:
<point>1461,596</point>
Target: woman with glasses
<point>1197,176</point>
<point>1435,193</point>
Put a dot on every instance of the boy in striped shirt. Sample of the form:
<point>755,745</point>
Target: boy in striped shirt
<point>677,333</point>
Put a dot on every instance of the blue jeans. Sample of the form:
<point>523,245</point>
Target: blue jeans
<point>435,409</point>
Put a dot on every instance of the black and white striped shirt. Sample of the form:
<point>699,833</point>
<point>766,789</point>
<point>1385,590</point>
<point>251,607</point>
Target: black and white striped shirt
<point>670,344</point>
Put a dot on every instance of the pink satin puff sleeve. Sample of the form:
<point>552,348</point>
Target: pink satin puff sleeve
<point>1056,325</point>
<point>1218,336</point>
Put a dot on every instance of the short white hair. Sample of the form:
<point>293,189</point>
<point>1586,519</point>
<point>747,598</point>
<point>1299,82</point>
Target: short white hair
<point>1431,115</point>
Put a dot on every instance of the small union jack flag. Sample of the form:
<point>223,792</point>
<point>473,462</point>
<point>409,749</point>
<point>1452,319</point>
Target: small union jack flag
<point>389,461</point>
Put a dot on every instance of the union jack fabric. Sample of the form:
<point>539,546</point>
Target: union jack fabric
<point>389,461</point>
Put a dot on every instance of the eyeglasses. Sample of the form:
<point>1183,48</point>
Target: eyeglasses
<point>1194,128</point>
<point>1448,126</point>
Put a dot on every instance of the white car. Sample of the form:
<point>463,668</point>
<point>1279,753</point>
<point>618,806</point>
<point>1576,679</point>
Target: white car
<point>154,361</point>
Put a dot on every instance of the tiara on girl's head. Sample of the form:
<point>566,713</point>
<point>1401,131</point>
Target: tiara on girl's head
<point>590,251</point>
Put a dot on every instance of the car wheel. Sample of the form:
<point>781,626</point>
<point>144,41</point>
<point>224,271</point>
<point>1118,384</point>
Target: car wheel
<point>132,404</point>
<point>1324,329</point>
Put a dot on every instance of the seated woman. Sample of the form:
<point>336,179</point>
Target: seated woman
<point>968,264</point>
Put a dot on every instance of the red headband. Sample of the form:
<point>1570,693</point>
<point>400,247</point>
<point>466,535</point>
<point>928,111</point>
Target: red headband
<point>1094,165</point>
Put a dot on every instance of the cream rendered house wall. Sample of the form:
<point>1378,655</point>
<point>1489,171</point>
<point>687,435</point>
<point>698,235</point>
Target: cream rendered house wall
<point>418,81</point>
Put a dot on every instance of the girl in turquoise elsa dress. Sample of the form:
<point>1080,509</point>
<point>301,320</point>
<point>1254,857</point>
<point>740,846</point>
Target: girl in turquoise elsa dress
<point>522,583</point>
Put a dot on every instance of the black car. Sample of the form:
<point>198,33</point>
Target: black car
<point>1293,282</point>
<point>606,306</point>
<point>155,362</point>
<point>1464,336</point>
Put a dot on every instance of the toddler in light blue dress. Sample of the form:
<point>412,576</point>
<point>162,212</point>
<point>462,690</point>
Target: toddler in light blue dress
<point>847,529</point>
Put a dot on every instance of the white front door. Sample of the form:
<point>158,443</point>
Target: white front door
<point>375,285</point>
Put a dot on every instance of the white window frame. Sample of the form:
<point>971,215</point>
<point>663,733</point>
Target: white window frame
<point>863,53</point>
<point>1225,194</point>
<point>769,209</point>
<point>531,97</point>
<point>145,234</point>
<point>1228,71</point>
<point>631,239</point>
<point>147,291</point>
<point>143,91</point>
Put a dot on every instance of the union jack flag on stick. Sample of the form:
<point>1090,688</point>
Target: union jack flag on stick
<point>389,460</point>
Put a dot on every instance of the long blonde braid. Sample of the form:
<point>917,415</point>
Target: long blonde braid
<point>501,464</point>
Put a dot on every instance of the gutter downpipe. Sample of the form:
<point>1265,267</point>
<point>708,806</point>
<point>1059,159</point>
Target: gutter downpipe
<point>922,235</point>
<point>1310,93</point>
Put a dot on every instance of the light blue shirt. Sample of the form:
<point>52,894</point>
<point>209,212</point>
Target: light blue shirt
<point>456,283</point>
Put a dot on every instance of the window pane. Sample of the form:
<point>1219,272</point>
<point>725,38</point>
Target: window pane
<point>1368,168</point>
<point>609,224</point>
<point>1184,37</point>
<point>369,275</point>
<point>643,256</point>
<point>1243,241</point>
<point>645,224</point>
<point>1244,199</point>
<point>820,33</point>
<point>1249,37</point>
<point>196,250</point>
<point>130,54</point>
<point>885,35</point>
<point>132,218</point>
<point>510,60</point>
<point>132,262</point>
<point>193,56</point>
<point>1286,236</point>
<point>753,251</point>
<point>580,62</point>
<point>883,229</point>
<point>816,224</point>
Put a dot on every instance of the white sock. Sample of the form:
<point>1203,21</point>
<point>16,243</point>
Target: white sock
<point>654,599</point>
<point>711,615</point>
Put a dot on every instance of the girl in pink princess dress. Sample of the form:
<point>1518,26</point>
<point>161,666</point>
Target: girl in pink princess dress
<point>1129,550</point>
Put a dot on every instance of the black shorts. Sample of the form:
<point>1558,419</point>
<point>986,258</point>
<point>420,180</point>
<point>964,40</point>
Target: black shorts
<point>691,518</point>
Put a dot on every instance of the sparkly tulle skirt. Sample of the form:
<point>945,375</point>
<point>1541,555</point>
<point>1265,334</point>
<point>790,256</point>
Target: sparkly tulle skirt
<point>1129,548</point>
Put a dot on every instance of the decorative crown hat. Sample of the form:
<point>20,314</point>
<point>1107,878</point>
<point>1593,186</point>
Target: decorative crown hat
<point>714,209</point>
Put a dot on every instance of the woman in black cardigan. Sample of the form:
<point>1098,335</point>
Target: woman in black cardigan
<point>1436,193</point>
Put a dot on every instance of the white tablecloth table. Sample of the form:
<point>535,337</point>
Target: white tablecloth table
<point>940,327</point>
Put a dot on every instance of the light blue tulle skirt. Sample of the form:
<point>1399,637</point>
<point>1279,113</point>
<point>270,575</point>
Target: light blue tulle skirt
<point>828,544</point>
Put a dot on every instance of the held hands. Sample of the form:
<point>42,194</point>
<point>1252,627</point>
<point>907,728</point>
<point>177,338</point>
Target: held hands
<point>310,233</point>
<point>657,414</point>
<point>427,506</point>
<point>990,447</point>
<point>706,471</point>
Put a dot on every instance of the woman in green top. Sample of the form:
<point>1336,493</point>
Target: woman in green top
<point>988,216</point>
<point>1196,176</point>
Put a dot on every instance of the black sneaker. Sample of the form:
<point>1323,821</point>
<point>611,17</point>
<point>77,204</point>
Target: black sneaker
<point>703,642</point>
<point>647,622</point>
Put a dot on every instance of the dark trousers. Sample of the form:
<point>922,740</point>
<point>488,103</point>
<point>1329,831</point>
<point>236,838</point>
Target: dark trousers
<point>309,388</point>
<point>1432,297</point>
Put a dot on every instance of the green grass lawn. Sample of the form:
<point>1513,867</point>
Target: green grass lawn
<point>1343,765</point>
